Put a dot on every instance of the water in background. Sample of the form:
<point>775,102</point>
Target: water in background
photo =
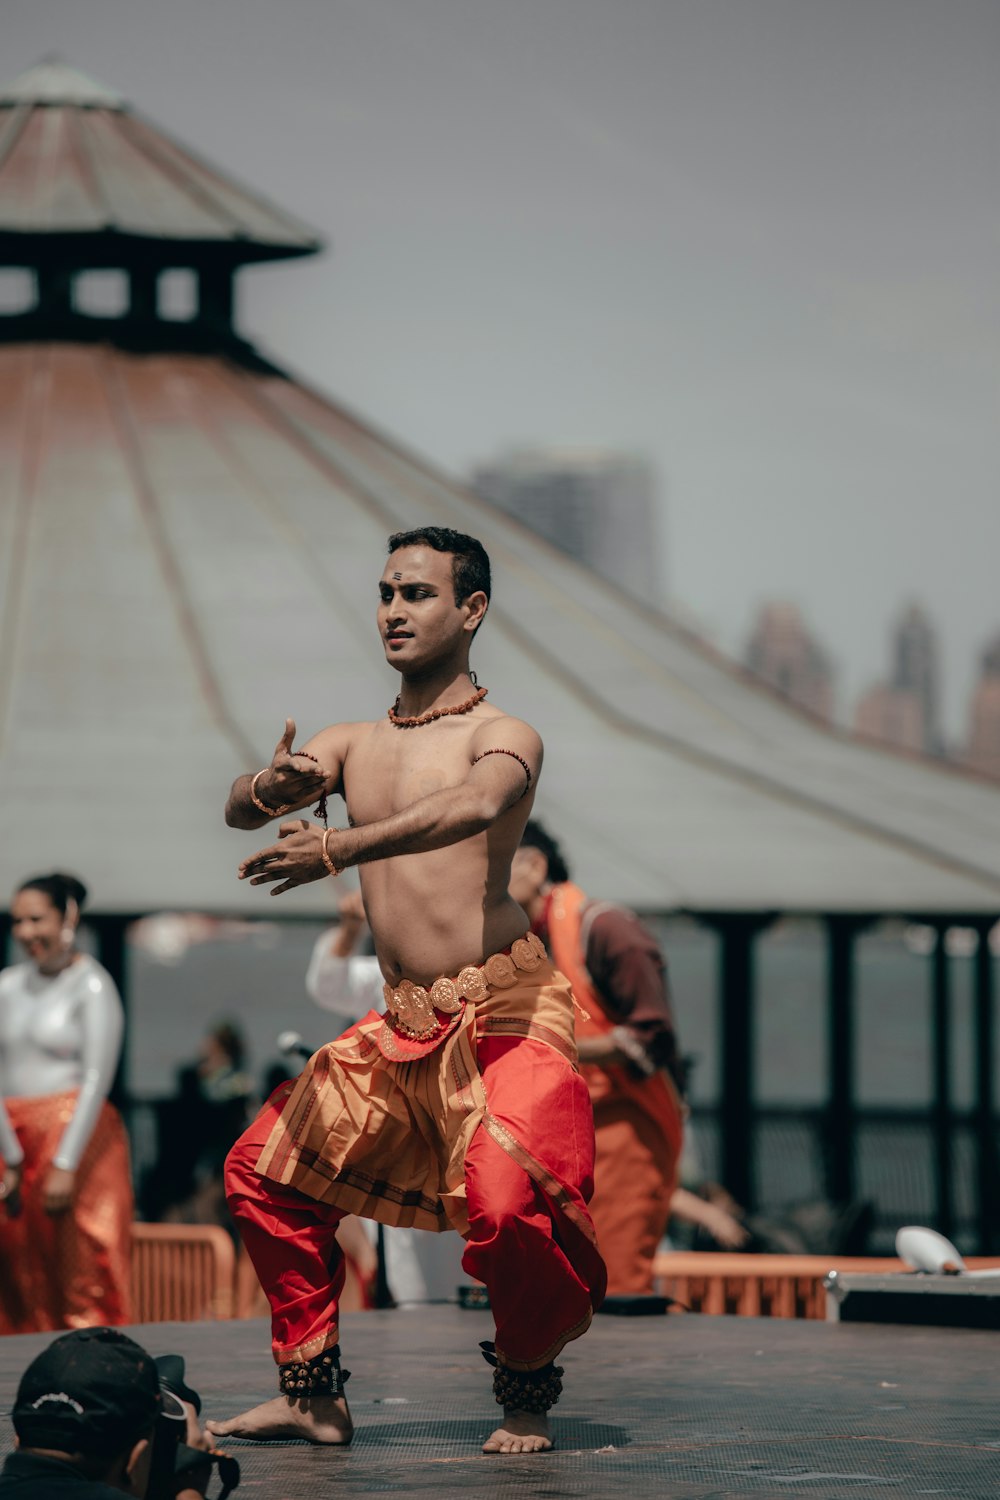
<point>187,974</point>
<point>894,1058</point>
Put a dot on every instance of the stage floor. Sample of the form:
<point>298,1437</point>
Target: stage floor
<point>688,1407</point>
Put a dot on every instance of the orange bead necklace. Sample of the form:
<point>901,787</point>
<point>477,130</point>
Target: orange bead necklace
<point>416,720</point>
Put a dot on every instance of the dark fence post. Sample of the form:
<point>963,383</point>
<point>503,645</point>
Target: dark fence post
<point>737,934</point>
<point>841,1112</point>
<point>110,932</point>
<point>944,1195</point>
<point>840,1146</point>
<point>987,1171</point>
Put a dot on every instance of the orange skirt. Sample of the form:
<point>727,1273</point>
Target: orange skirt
<point>387,1139</point>
<point>67,1270</point>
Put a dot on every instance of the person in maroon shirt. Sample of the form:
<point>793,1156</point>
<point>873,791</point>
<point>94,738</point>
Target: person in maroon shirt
<point>628,1054</point>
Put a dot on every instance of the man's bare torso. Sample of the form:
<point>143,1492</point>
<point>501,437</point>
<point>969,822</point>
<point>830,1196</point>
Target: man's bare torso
<point>431,913</point>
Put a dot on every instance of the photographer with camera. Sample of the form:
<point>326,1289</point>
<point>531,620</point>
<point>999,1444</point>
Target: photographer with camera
<point>96,1417</point>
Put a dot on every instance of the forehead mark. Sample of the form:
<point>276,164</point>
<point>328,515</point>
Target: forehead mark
<point>412,577</point>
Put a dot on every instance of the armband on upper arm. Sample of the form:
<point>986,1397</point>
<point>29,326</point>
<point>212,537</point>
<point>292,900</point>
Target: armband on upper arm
<point>514,756</point>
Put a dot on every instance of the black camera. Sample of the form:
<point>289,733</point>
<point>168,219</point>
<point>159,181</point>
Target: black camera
<point>175,1464</point>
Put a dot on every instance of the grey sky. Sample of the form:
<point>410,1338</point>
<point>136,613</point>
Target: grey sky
<point>758,240</point>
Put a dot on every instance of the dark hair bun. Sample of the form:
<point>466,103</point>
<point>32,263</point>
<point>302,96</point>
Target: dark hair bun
<point>61,889</point>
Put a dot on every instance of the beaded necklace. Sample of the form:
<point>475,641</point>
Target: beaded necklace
<point>417,720</point>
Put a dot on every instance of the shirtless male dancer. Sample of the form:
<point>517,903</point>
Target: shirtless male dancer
<point>461,1106</point>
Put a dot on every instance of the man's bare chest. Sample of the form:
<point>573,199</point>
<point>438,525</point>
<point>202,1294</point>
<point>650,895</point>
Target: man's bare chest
<point>389,771</point>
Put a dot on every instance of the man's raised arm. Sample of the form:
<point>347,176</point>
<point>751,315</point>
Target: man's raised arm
<point>290,782</point>
<point>506,760</point>
<point>498,777</point>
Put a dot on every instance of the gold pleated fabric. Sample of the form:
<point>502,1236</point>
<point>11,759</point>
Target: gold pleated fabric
<point>387,1139</point>
<point>67,1270</point>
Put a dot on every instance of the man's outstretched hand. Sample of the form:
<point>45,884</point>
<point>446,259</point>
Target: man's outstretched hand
<point>290,779</point>
<point>296,860</point>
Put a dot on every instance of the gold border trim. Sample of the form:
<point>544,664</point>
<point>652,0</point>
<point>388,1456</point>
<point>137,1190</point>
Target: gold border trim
<point>540,1174</point>
<point>309,1350</point>
<point>352,1178</point>
<point>576,1332</point>
<point>503,1026</point>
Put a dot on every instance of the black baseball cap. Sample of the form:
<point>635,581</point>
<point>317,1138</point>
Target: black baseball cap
<point>91,1391</point>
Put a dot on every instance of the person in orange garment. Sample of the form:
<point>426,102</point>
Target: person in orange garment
<point>65,1181</point>
<point>628,1055</point>
<point>460,1105</point>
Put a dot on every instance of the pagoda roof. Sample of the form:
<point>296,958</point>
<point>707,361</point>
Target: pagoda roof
<point>188,553</point>
<point>76,161</point>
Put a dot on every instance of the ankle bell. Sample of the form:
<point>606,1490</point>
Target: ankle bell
<point>532,1391</point>
<point>320,1376</point>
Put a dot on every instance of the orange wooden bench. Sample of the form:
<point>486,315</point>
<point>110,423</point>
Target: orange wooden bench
<point>762,1286</point>
<point>182,1273</point>
<point>187,1273</point>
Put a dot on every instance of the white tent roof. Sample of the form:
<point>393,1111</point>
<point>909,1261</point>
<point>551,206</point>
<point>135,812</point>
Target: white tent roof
<point>189,553</point>
<point>75,159</point>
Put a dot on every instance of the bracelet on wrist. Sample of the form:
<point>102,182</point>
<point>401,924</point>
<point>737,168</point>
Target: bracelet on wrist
<point>324,851</point>
<point>272,812</point>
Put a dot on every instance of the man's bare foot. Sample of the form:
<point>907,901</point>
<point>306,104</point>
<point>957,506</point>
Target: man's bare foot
<point>520,1432</point>
<point>318,1419</point>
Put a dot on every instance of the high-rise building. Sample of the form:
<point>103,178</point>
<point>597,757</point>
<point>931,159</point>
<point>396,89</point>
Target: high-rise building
<point>783,652</point>
<point>596,505</point>
<point>904,712</point>
<point>915,670</point>
<point>983,752</point>
<point>893,715</point>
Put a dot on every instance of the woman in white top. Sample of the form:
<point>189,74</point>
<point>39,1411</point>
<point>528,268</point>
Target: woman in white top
<point>338,979</point>
<point>65,1188</point>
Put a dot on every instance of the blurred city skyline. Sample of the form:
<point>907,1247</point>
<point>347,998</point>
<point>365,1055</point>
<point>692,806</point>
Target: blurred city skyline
<point>753,242</point>
<point>901,705</point>
<point>598,506</point>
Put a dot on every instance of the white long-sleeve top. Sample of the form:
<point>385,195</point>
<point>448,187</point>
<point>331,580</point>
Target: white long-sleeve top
<point>349,986</point>
<point>58,1032</point>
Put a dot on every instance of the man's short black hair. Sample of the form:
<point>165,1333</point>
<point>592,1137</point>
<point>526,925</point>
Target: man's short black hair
<point>470,565</point>
<point>535,837</point>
